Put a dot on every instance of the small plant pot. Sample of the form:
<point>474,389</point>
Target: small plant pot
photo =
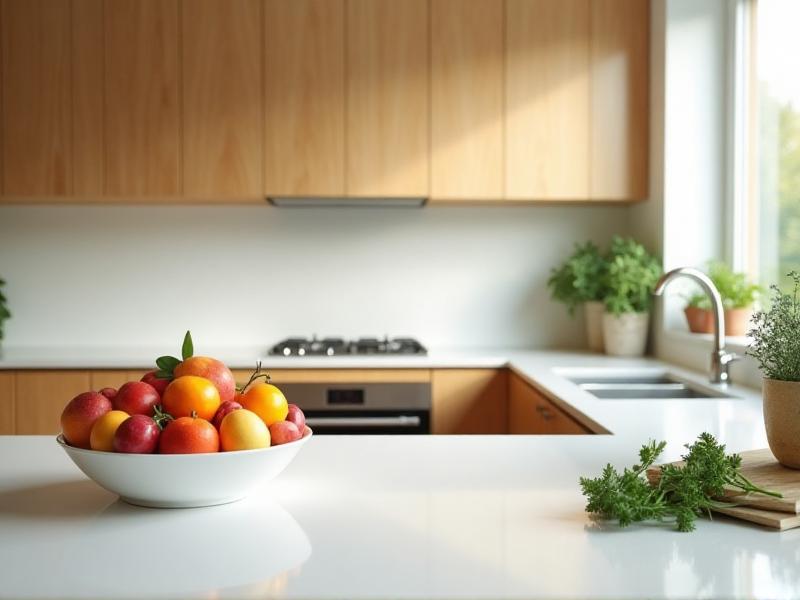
<point>699,320</point>
<point>593,312</point>
<point>782,420</point>
<point>625,334</point>
<point>737,321</point>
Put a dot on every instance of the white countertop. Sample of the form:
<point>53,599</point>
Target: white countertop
<point>402,517</point>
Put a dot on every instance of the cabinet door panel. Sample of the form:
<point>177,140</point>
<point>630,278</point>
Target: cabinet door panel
<point>304,66</point>
<point>7,403</point>
<point>467,99</point>
<point>469,401</point>
<point>387,98</point>
<point>37,100</point>
<point>620,61</point>
<point>142,119</point>
<point>547,99</point>
<point>88,97</point>
<point>41,397</point>
<point>529,412</point>
<point>222,98</point>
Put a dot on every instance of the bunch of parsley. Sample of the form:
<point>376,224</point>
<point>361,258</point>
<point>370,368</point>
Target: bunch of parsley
<point>682,493</point>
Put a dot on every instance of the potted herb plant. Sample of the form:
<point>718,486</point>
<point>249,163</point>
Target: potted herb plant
<point>631,276</point>
<point>580,281</point>
<point>776,346</point>
<point>738,297</point>
<point>5,314</point>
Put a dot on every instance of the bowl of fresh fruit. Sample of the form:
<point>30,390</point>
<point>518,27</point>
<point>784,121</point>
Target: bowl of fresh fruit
<point>185,435</point>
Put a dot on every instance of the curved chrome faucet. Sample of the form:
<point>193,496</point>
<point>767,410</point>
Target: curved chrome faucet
<point>720,358</point>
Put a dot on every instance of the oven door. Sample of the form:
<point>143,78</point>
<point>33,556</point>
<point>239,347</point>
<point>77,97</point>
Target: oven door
<point>359,422</point>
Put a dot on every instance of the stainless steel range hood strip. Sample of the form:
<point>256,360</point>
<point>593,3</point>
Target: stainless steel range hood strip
<point>334,202</point>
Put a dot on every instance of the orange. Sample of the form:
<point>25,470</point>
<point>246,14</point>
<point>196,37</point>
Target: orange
<point>189,394</point>
<point>212,369</point>
<point>267,401</point>
<point>103,430</point>
<point>188,435</point>
<point>243,430</point>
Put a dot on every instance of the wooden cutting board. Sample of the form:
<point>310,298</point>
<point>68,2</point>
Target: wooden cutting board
<point>761,467</point>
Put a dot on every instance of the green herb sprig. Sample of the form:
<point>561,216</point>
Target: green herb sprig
<point>631,277</point>
<point>5,314</point>
<point>776,343</point>
<point>683,492</point>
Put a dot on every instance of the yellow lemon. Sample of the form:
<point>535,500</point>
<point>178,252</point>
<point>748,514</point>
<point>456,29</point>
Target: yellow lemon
<point>103,430</point>
<point>243,430</point>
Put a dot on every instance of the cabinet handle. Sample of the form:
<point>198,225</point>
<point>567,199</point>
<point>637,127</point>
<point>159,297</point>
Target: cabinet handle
<point>545,412</point>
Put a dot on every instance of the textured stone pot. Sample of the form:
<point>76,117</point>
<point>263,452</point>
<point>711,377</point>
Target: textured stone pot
<point>625,334</point>
<point>782,420</point>
<point>593,312</point>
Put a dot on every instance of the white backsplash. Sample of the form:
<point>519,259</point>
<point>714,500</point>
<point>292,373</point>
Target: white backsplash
<point>465,277</point>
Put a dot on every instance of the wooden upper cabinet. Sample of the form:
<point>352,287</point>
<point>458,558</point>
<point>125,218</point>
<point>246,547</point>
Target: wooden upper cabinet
<point>222,98</point>
<point>466,99</point>
<point>37,99</point>
<point>387,115</point>
<point>620,52</point>
<point>304,114</point>
<point>142,76</point>
<point>547,99</point>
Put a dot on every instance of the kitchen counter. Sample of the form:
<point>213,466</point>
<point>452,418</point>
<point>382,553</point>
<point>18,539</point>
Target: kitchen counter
<point>403,517</point>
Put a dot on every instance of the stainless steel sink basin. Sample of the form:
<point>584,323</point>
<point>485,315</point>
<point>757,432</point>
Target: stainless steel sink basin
<point>642,385</point>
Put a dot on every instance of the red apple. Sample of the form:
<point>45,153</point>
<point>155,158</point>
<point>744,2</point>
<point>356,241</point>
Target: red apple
<point>79,416</point>
<point>283,432</point>
<point>159,384</point>
<point>137,398</point>
<point>138,434</point>
<point>297,417</point>
<point>109,392</point>
<point>226,407</point>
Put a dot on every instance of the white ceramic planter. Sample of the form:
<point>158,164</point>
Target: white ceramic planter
<point>625,334</point>
<point>782,420</point>
<point>593,313</point>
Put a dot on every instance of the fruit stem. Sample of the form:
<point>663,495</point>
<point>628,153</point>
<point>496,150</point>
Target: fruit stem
<point>257,374</point>
<point>160,417</point>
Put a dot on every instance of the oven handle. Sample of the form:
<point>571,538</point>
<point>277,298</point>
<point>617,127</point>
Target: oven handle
<point>399,421</point>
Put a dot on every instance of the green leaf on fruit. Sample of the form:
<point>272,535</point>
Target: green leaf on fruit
<point>167,363</point>
<point>187,350</point>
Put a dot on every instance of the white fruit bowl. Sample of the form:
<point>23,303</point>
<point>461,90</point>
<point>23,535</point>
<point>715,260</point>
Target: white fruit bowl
<point>184,480</point>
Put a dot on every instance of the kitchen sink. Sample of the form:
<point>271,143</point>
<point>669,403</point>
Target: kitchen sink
<point>642,385</point>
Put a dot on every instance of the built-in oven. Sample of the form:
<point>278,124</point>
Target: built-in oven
<point>368,408</point>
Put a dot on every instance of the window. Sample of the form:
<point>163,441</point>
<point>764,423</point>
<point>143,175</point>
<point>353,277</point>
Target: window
<point>768,240</point>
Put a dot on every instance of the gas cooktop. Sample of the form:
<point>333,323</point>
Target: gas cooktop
<point>336,346</point>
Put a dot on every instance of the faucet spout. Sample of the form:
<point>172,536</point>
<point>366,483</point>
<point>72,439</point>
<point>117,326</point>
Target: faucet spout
<point>720,358</point>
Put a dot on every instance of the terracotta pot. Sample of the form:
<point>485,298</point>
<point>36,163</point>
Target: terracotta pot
<point>782,420</point>
<point>593,312</point>
<point>625,334</point>
<point>737,321</point>
<point>700,320</point>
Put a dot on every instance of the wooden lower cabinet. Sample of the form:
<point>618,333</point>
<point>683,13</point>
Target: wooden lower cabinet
<point>7,403</point>
<point>469,401</point>
<point>40,398</point>
<point>529,412</point>
<point>464,401</point>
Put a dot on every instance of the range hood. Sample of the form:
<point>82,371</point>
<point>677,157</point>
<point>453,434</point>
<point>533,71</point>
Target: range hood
<point>341,202</point>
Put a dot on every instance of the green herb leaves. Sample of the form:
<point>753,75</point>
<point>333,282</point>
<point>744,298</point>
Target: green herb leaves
<point>166,364</point>
<point>4,312</point>
<point>776,343</point>
<point>734,288</point>
<point>682,493</point>
<point>623,278</point>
